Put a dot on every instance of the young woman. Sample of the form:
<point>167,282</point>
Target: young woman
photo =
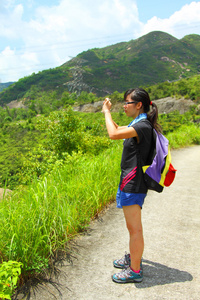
<point>132,189</point>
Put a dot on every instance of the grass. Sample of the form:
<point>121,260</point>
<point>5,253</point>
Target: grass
<point>38,220</point>
<point>186,135</point>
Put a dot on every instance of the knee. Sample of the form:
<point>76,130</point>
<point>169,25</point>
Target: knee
<point>134,230</point>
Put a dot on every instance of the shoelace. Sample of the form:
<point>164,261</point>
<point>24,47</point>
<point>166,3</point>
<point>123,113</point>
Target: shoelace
<point>125,273</point>
<point>126,258</point>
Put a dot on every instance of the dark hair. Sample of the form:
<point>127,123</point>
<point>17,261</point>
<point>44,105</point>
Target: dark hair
<point>140,95</point>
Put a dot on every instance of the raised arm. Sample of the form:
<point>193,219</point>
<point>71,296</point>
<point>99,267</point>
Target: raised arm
<point>117,126</point>
<point>116,132</point>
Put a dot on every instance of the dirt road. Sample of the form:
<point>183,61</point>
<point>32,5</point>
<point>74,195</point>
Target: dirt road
<point>171,262</point>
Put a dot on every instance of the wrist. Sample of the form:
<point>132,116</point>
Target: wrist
<point>105,111</point>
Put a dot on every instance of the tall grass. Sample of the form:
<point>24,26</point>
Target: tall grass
<point>186,135</point>
<point>38,220</point>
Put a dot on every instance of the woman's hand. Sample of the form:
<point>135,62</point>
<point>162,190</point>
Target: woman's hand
<point>106,105</point>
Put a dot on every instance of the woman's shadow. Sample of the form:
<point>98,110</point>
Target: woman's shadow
<point>157,274</point>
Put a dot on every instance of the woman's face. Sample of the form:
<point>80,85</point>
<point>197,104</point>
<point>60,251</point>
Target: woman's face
<point>131,107</point>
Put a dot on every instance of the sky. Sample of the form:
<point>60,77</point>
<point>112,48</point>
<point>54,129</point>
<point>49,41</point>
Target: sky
<point>40,34</point>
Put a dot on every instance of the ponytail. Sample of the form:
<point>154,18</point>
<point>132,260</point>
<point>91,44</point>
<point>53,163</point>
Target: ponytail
<point>152,116</point>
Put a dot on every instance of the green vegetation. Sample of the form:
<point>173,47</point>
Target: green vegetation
<point>38,221</point>
<point>152,59</point>
<point>9,276</point>
<point>186,135</point>
<point>35,146</point>
<point>173,121</point>
<point>4,85</point>
<point>16,139</point>
<point>61,165</point>
<point>68,176</point>
<point>37,102</point>
<point>188,88</point>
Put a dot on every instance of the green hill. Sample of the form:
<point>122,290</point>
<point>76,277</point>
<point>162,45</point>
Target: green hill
<point>4,85</point>
<point>154,58</point>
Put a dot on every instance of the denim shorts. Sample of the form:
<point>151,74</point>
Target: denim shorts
<point>127,199</point>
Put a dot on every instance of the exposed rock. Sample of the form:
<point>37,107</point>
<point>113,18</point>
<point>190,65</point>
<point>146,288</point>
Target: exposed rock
<point>165,105</point>
<point>90,107</point>
<point>16,104</point>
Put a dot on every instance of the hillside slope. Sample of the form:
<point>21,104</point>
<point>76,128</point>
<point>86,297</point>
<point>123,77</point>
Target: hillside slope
<point>153,58</point>
<point>4,85</point>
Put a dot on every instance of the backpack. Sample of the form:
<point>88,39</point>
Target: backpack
<point>159,171</point>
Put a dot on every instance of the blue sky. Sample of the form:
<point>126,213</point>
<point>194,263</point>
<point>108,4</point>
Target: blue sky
<point>41,34</point>
<point>162,9</point>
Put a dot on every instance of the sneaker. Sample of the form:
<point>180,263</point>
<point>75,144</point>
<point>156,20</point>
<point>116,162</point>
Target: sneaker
<point>124,262</point>
<point>127,275</point>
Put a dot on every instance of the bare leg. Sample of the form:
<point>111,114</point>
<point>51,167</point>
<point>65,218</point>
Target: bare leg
<point>132,215</point>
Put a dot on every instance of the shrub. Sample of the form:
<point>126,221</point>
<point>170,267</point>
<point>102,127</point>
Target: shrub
<point>9,276</point>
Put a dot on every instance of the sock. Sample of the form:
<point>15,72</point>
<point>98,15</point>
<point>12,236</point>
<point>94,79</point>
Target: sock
<point>138,271</point>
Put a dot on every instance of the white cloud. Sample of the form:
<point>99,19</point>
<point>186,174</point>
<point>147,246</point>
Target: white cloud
<point>78,19</point>
<point>13,63</point>
<point>51,34</point>
<point>54,33</point>
<point>182,22</point>
<point>10,21</point>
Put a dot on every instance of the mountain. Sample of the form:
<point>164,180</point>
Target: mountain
<point>151,59</point>
<point>4,85</point>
